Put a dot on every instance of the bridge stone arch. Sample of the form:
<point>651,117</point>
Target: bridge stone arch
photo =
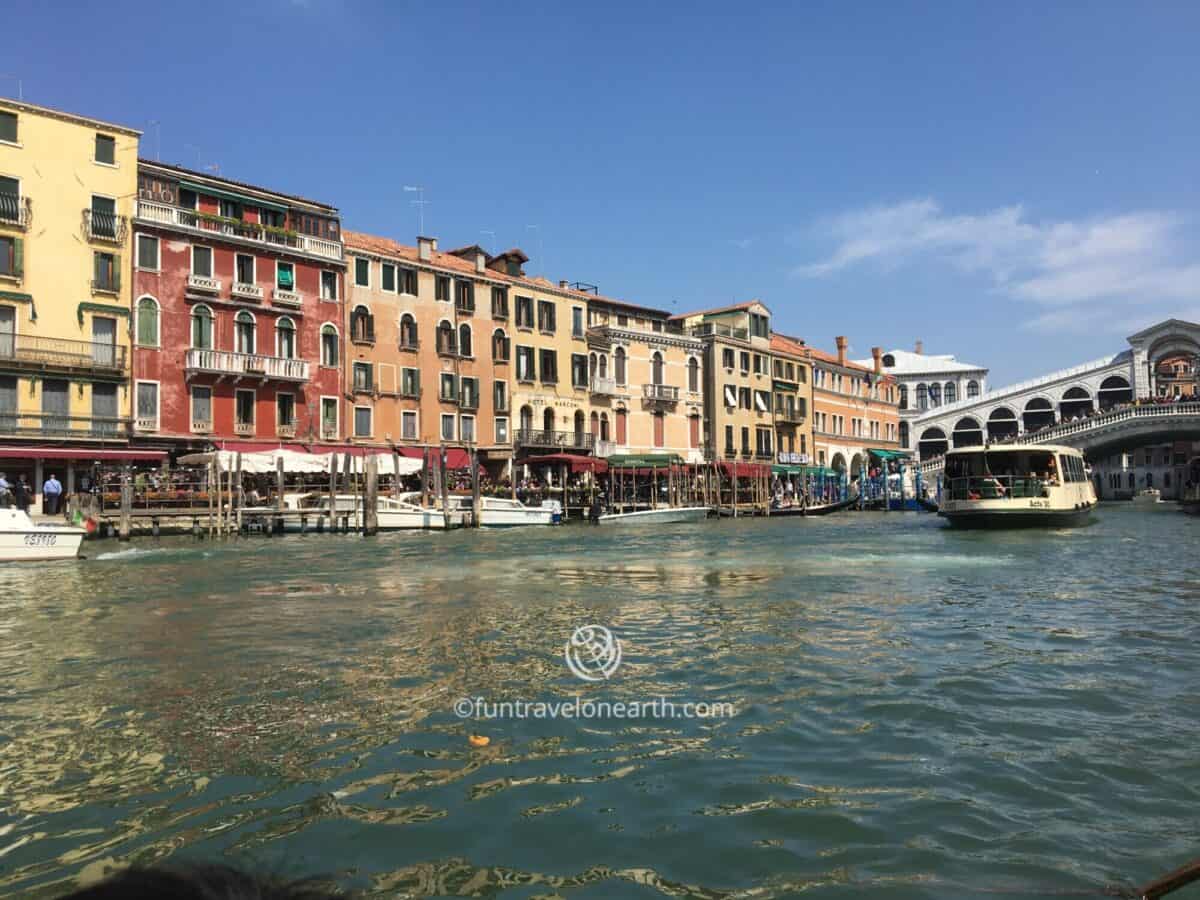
<point>1076,401</point>
<point>967,432</point>
<point>1002,423</point>
<point>1113,391</point>
<point>932,442</point>
<point>1038,412</point>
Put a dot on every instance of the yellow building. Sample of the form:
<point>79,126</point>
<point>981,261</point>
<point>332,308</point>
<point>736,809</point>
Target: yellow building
<point>647,379</point>
<point>737,386</point>
<point>791,383</point>
<point>67,188</point>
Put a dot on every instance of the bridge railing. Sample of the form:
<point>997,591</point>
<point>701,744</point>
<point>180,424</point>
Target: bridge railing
<point>1055,433</point>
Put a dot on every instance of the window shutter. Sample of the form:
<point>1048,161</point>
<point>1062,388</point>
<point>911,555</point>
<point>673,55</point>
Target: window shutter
<point>116,273</point>
<point>18,257</point>
<point>96,267</point>
<point>371,327</point>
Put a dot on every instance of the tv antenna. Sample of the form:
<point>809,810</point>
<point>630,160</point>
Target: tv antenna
<point>419,203</point>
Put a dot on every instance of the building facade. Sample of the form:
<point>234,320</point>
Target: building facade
<point>791,385</point>
<point>737,384</point>
<point>855,409</point>
<point>428,358</point>
<point>238,304</point>
<point>646,380</point>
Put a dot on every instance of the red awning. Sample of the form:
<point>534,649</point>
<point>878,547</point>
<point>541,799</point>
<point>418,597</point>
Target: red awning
<point>744,469</point>
<point>456,457</point>
<point>80,453</point>
<point>576,462</point>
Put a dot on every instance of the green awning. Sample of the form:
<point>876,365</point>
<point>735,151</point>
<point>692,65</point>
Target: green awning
<point>287,278</point>
<point>780,385</point>
<point>102,308</point>
<point>889,454</point>
<point>18,297</point>
<point>644,460</point>
<point>230,195</point>
<point>815,471</point>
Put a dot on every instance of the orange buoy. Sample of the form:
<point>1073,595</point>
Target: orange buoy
<point>479,740</point>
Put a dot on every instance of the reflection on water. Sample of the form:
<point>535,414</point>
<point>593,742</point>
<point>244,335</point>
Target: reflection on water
<point>921,712</point>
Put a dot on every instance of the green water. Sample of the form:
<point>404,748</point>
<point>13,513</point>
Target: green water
<point>920,712</point>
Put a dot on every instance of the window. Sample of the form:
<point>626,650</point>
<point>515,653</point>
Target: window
<point>8,127</point>
<point>730,448</point>
<point>467,429</point>
<point>408,332</point>
<point>329,417</point>
<point>693,375</point>
<point>329,346</point>
<point>464,296</point>
<point>104,217</point>
<point>229,209</point>
<point>285,410</point>
<point>244,333</point>
<point>410,382</point>
<point>904,396</point>
<point>408,425</point>
<point>447,426</point>
<point>656,368</point>
<point>744,400</point>
<point>577,321</point>
<point>285,338</point>
<point>362,325</point>
<point>107,272</point>
<point>744,360</point>
<point>731,395</point>
<point>362,421</point>
<point>243,266</point>
<point>202,262</point>
<point>972,390</point>
<point>449,388</point>
<point>329,286</point>
<point>660,430</point>
<point>524,312</point>
<point>468,393</point>
<point>464,341</point>
<point>362,273</point>
<point>951,393</point>
<point>619,365</point>
<point>441,288</point>
<point>579,370</point>
<point>387,277</point>
<point>923,396</point>
<point>760,364</point>
<point>499,303</point>
<point>548,363</point>
<point>285,276</point>
<point>147,322</point>
<point>244,407</point>
<point>745,441</point>
<point>760,326</point>
<point>500,345</point>
<point>202,328</point>
<point>727,359</point>
<point>622,320</point>
<point>525,364</point>
<point>363,374</point>
<point>201,408</point>
<point>446,338</point>
<point>545,312</point>
<point>500,395</point>
<point>762,401</point>
<point>501,431</point>
<point>147,253</point>
<point>408,282</point>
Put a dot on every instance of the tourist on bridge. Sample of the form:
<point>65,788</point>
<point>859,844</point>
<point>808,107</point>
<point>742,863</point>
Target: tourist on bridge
<point>51,494</point>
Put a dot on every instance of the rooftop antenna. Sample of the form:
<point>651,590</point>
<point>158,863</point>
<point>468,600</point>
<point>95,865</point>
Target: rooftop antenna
<point>419,203</point>
<point>20,84</point>
<point>157,126</point>
<point>541,252</point>
<point>214,168</point>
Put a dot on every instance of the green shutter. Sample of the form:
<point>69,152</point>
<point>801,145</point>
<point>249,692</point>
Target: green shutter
<point>96,266</point>
<point>18,257</point>
<point>116,273</point>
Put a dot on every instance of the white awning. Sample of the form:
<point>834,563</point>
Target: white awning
<point>264,462</point>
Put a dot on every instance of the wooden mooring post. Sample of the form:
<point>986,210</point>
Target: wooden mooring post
<point>476,500</point>
<point>371,495</point>
<point>277,525</point>
<point>444,487</point>
<point>126,526</point>
<point>333,468</point>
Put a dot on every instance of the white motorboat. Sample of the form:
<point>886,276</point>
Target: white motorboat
<point>21,539</point>
<point>501,512</point>
<point>1148,497</point>
<point>393,513</point>
<point>661,516</point>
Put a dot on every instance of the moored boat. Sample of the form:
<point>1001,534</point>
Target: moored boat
<point>21,539</point>
<point>661,516</point>
<point>1148,497</point>
<point>502,512</point>
<point>1016,485</point>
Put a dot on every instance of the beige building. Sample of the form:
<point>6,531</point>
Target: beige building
<point>646,379</point>
<point>791,384</point>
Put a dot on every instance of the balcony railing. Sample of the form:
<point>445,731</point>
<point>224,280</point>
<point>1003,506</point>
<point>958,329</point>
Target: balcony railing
<point>164,214</point>
<point>563,440</point>
<point>790,414</point>
<point>107,227</point>
<point>329,432</point>
<point>716,329</point>
<point>243,428</point>
<point>605,449</point>
<point>16,211</point>
<point>145,423</point>
<point>242,289</point>
<point>59,425</point>
<point>280,297</point>
<point>604,386</point>
<point>223,362</point>
<point>661,393</point>
<point>286,431</point>
<point>205,283</point>
<point>46,353</point>
<point>202,426</point>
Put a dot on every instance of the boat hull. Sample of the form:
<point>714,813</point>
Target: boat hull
<point>656,516</point>
<point>40,543</point>
<point>1020,518</point>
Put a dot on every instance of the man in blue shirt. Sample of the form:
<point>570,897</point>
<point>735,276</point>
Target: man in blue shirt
<point>51,494</point>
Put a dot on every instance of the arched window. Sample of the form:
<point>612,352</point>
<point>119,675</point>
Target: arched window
<point>499,345</point>
<point>904,396</point>
<point>548,419</point>
<point>329,345</point>
<point>243,333</point>
<point>408,331</point>
<point>202,327</point>
<point>619,365</point>
<point>951,392</point>
<point>446,342</point>
<point>922,396</point>
<point>527,419</point>
<point>285,338</point>
<point>593,366</point>
<point>656,368</point>
<point>147,322</point>
<point>362,325</point>
<point>595,424</point>
<point>904,435</point>
<point>579,423</point>
<point>603,366</point>
<point>972,389</point>
<point>464,340</point>
<point>935,394</point>
<point>604,426</point>
<point>693,375</point>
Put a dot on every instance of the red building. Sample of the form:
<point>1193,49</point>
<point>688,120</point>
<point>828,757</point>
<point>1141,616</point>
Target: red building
<point>237,310</point>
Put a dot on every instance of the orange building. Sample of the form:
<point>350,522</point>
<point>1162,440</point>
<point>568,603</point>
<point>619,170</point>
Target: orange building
<point>855,409</point>
<point>791,385</point>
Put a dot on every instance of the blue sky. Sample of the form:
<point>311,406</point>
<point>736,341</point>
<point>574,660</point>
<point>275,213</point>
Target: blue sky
<point>1015,184</point>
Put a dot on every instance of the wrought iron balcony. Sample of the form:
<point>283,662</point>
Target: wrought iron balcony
<point>107,227</point>
<point>46,354</point>
<point>556,440</point>
<point>793,415</point>
<point>660,393</point>
<point>59,425</point>
<point>249,232</point>
<point>16,212</point>
<point>246,365</point>
<point>605,387</point>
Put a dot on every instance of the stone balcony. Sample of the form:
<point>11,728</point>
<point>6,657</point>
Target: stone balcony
<point>246,365</point>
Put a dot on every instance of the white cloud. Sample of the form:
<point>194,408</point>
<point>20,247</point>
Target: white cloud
<point>1136,259</point>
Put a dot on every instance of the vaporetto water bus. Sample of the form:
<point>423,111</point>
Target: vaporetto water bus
<point>1016,484</point>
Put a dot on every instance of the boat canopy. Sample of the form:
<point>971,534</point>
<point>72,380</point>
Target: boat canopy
<point>265,462</point>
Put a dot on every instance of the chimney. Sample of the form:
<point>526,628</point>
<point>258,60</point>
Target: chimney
<point>480,261</point>
<point>877,353</point>
<point>920,348</point>
<point>841,345</point>
<point>425,248</point>
<point>563,284</point>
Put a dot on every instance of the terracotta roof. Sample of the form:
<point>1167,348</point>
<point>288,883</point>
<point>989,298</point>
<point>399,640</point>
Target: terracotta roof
<point>781,343</point>
<point>848,364</point>
<point>721,309</point>
<point>209,176</point>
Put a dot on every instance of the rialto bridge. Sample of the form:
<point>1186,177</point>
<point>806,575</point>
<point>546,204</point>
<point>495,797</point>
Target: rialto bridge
<point>1088,405</point>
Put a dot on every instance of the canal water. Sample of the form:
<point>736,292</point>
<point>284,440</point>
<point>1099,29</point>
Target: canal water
<point>919,712</point>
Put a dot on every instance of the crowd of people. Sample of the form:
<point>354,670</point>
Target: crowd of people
<point>20,493</point>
